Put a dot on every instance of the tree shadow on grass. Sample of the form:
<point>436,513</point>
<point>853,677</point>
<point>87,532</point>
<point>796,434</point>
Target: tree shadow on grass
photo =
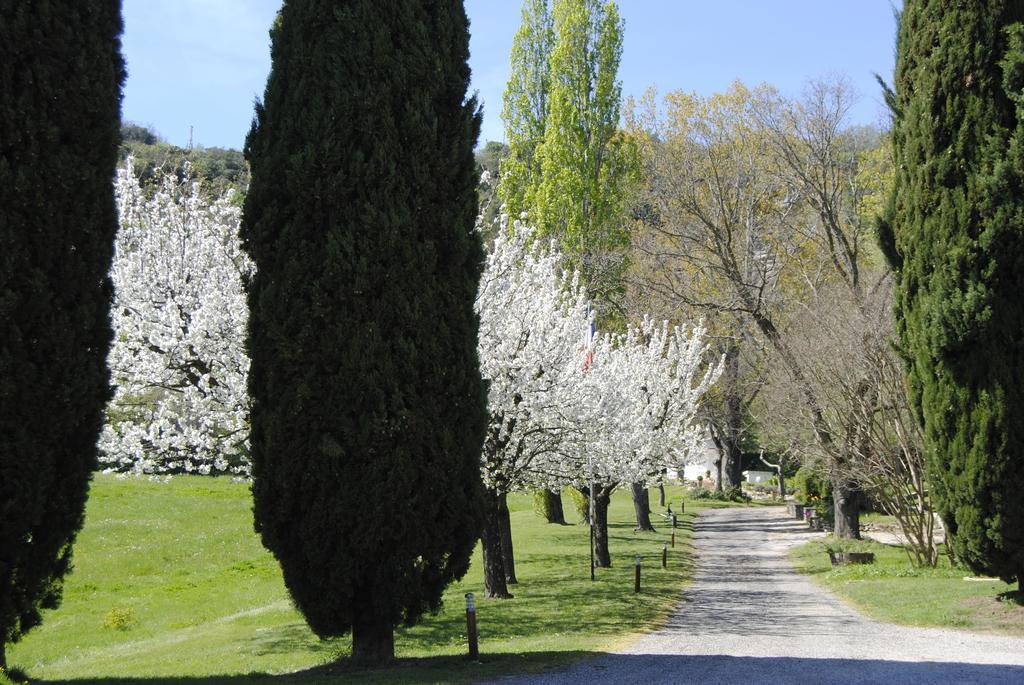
<point>293,638</point>
<point>598,667</point>
<point>528,615</point>
<point>403,671</point>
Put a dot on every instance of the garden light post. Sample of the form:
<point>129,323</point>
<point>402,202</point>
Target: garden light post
<point>474,650</point>
<point>590,460</point>
<point>590,454</point>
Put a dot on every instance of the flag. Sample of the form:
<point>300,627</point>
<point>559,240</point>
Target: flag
<point>588,358</point>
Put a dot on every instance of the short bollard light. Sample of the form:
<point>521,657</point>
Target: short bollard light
<point>636,585</point>
<point>474,650</point>
<point>664,556</point>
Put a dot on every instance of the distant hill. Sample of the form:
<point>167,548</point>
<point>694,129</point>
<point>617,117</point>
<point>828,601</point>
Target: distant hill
<point>220,168</point>
<point>217,168</point>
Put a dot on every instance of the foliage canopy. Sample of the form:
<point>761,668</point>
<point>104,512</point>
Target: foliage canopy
<point>368,409</point>
<point>60,101</point>
<point>955,230</point>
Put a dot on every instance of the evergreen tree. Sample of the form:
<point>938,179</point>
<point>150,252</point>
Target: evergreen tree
<point>955,231</point>
<point>368,409</point>
<point>60,99</point>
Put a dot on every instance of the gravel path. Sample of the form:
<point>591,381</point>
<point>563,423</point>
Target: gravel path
<point>749,618</point>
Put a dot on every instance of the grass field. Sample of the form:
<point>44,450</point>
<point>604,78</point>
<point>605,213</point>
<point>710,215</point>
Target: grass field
<point>171,585</point>
<point>893,590</point>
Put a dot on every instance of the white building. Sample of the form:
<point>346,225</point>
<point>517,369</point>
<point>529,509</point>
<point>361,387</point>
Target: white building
<point>758,477</point>
<point>706,461</point>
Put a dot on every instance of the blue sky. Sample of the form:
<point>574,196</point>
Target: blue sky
<point>201,63</point>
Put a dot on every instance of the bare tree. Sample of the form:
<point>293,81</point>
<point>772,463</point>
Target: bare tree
<point>753,206</point>
<point>845,348</point>
<point>704,242</point>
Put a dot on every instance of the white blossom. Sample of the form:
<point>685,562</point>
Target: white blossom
<point>178,360</point>
<point>643,391</point>
<point>623,405</point>
<point>532,320</point>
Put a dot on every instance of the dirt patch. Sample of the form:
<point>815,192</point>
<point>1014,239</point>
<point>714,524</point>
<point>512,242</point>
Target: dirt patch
<point>992,615</point>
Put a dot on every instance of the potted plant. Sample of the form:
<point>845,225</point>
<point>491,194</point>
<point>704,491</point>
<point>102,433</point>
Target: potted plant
<point>841,554</point>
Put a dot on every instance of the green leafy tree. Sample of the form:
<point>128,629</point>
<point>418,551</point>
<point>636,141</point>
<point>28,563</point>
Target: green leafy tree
<point>570,165</point>
<point>955,231</point>
<point>587,162</point>
<point>525,107</point>
<point>60,99</point>
<point>368,410</point>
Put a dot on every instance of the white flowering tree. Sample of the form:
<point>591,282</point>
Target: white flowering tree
<point>532,321</point>
<point>619,408</point>
<point>641,393</point>
<point>533,318</point>
<point>178,360</point>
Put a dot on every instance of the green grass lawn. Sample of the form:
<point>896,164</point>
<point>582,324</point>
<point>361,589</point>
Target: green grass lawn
<point>877,518</point>
<point>892,589</point>
<point>170,582</point>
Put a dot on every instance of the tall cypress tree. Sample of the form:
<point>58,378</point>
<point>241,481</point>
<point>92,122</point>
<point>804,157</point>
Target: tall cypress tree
<point>60,108</point>
<point>956,235</point>
<point>368,406</point>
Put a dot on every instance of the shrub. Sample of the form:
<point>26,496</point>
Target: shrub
<point>728,495</point>
<point>809,486</point>
<point>580,503</point>
<point>119,618</point>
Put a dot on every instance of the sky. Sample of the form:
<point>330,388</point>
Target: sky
<point>195,67</point>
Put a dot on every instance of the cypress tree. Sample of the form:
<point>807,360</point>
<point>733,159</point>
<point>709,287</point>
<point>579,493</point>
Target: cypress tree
<point>955,232</point>
<point>60,99</point>
<point>368,406</point>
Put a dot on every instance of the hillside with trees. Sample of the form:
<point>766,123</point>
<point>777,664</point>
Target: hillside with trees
<point>217,168</point>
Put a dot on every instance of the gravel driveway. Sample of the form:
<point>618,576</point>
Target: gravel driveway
<point>749,618</point>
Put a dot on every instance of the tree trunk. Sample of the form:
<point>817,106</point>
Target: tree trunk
<point>3,655</point>
<point>720,448</point>
<point>780,469</point>
<point>553,510</point>
<point>495,585</point>
<point>847,499</point>
<point>602,498</point>
<point>508,559</point>
<point>373,640</point>
<point>729,454</point>
<point>733,465</point>
<point>642,505</point>
<point>661,495</point>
